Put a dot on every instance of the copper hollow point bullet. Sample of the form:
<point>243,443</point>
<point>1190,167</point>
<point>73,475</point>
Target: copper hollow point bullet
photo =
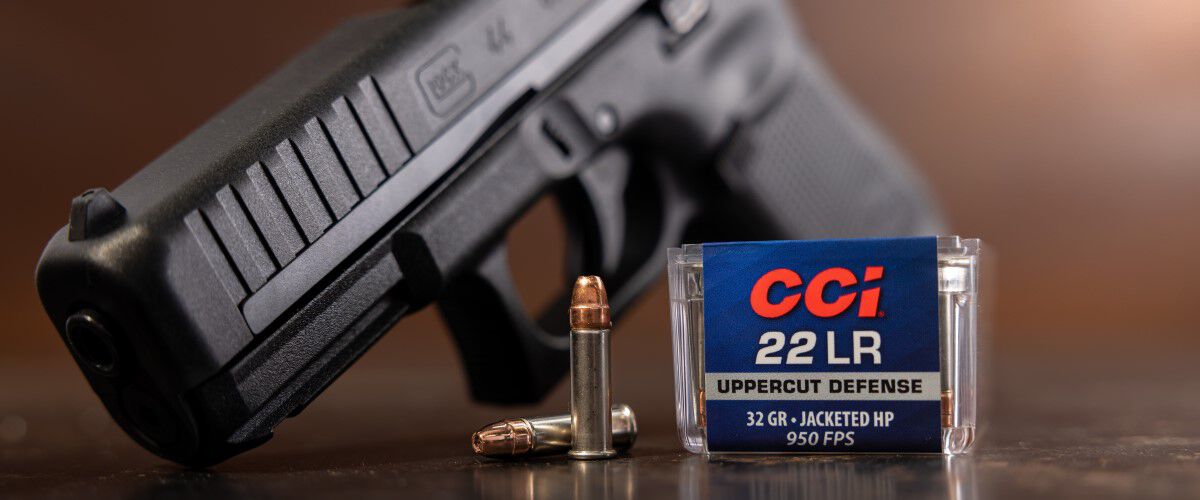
<point>589,305</point>
<point>591,393</point>
<point>531,437</point>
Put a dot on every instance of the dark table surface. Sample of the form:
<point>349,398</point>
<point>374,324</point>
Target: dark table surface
<point>1059,424</point>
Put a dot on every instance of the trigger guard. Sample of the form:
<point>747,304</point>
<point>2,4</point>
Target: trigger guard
<point>509,358</point>
<point>594,210</point>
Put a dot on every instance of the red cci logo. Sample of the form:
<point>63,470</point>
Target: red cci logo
<point>814,294</point>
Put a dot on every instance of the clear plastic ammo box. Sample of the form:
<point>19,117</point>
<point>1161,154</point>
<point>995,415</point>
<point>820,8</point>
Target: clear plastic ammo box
<point>958,264</point>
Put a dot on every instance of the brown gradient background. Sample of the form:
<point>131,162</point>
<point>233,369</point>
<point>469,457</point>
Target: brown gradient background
<point>1066,134</point>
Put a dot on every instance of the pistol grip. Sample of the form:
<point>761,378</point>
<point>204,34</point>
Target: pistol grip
<point>811,165</point>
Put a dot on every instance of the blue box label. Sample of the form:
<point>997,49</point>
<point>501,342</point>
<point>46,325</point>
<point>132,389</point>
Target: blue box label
<point>822,346</point>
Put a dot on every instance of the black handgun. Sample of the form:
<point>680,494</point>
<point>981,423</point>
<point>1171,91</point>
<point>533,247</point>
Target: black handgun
<point>225,285</point>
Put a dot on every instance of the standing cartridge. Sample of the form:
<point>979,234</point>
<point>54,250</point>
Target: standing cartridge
<point>836,346</point>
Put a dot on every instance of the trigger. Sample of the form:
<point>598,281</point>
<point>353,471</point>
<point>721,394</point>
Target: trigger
<point>594,206</point>
<point>508,357</point>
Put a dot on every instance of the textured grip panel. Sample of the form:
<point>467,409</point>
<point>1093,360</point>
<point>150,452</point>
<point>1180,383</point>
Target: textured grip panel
<point>818,169</point>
